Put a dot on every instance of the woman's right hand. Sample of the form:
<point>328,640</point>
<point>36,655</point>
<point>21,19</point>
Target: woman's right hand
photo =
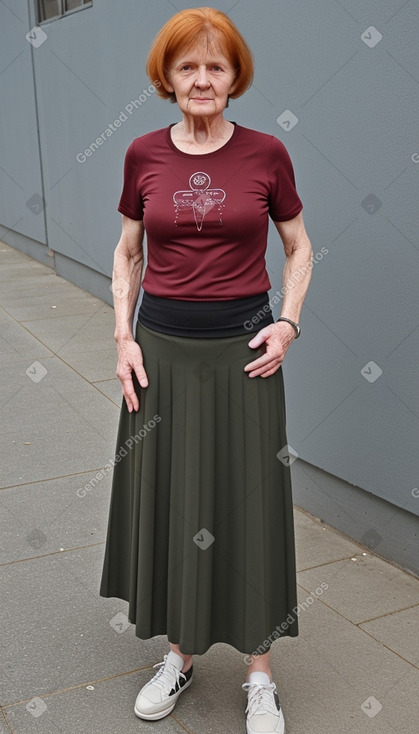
<point>130,359</point>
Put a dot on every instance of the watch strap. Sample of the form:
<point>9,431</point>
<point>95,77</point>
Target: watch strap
<point>295,326</point>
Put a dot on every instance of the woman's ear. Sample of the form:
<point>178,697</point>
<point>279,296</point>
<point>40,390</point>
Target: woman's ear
<point>233,86</point>
<point>166,83</point>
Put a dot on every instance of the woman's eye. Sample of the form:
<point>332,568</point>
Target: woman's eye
<point>188,67</point>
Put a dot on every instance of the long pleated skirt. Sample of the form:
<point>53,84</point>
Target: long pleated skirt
<point>200,539</point>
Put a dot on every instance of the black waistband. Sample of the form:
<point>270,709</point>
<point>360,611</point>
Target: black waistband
<point>205,318</point>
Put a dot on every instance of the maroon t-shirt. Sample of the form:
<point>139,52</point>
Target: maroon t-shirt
<point>206,215</point>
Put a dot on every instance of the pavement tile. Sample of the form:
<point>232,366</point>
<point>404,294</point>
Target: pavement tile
<point>80,331</point>
<point>317,543</point>
<point>4,729</point>
<point>30,456</point>
<point>42,285</point>
<point>325,675</point>
<point>107,709</point>
<point>402,697</point>
<point>9,255</point>
<point>21,271</point>
<point>57,425</point>
<point>16,343</point>
<point>363,589</point>
<point>111,388</point>
<point>365,724</point>
<point>216,701</point>
<point>93,365</point>
<point>57,632</point>
<point>399,632</point>
<point>52,302</point>
<point>45,517</point>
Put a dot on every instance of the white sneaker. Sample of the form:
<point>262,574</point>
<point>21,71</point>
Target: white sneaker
<point>158,697</point>
<point>264,712</point>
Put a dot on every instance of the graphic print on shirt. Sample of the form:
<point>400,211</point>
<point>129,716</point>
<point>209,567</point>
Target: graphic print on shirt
<point>199,198</point>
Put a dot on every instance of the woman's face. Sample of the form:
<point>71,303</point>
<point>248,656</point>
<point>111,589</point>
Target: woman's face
<point>201,78</point>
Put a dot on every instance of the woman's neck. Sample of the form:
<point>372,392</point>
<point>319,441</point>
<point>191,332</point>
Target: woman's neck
<point>201,133</point>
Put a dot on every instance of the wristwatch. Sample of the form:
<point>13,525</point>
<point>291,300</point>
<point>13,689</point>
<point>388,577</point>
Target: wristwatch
<point>296,327</point>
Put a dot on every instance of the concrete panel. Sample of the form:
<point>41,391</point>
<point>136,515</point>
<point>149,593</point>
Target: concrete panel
<point>373,594</point>
<point>100,708</point>
<point>112,389</point>
<point>55,298</point>
<point>316,542</point>
<point>16,344</point>
<point>46,517</point>
<point>78,102</point>
<point>51,406</point>
<point>28,246</point>
<point>97,365</point>
<point>389,531</point>
<point>74,332</point>
<point>22,204</point>
<point>66,628</point>
<point>399,632</point>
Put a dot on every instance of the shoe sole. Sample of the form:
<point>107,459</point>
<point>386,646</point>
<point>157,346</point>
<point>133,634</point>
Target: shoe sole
<point>161,714</point>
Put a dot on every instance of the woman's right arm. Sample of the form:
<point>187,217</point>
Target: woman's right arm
<point>126,281</point>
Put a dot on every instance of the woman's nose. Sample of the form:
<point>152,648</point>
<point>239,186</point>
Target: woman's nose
<point>202,77</point>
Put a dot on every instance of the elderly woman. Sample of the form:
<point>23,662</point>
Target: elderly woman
<point>201,540</point>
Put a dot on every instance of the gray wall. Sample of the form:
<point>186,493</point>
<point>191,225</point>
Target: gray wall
<point>20,165</point>
<point>356,155</point>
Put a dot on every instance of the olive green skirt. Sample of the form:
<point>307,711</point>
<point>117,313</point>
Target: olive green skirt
<point>200,539</point>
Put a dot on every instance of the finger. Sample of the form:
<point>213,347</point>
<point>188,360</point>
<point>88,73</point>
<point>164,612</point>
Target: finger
<point>259,339</point>
<point>141,375</point>
<point>266,370</point>
<point>131,397</point>
<point>264,359</point>
<point>129,404</point>
<point>271,372</point>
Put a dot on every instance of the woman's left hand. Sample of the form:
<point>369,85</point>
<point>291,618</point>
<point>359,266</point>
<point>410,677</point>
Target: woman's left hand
<point>274,340</point>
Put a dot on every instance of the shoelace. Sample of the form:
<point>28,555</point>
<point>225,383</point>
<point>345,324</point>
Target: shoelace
<point>260,698</point>
<point>164,676</point>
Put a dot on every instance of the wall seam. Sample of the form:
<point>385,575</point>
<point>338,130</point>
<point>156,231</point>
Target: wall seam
<point>32,18</point>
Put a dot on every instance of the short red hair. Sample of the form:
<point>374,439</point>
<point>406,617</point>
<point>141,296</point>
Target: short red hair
<point>183,30</point>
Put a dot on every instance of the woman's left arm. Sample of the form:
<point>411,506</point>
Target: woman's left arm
<point>276,338</point>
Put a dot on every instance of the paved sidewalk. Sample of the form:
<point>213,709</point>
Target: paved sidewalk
<point>70,663</point>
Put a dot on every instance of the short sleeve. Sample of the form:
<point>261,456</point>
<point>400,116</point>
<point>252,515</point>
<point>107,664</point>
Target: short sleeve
<point>284,202</point>
<point>131,203</point>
